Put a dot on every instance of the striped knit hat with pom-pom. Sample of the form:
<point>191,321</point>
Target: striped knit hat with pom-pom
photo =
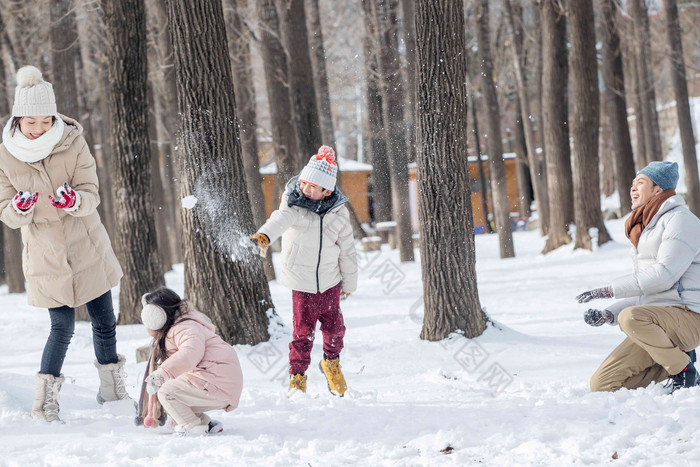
<point>321,169</point>
<point>34,97</point>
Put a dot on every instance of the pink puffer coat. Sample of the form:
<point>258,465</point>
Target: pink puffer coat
<point>197,354</point>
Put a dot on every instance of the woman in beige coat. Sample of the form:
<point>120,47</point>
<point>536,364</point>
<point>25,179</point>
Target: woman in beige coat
<point>67,257</point>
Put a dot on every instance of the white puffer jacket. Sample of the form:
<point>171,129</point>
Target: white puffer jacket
<point>666,262</point>
<point>318,251</point>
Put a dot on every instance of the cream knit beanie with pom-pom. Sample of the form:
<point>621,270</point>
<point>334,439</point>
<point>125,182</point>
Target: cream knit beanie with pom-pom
<point>33,96</point>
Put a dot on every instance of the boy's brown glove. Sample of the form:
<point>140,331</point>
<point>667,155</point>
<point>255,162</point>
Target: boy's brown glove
<point>263,241</point>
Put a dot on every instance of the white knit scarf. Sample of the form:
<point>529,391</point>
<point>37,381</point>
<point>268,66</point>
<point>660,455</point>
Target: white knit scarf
<point>32,150</point>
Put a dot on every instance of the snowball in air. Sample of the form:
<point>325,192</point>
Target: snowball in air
<point>188,202</point>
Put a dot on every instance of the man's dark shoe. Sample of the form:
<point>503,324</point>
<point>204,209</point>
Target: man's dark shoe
<point>686,378</point>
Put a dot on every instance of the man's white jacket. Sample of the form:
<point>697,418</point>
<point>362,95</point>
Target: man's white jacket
<point>666,262</point>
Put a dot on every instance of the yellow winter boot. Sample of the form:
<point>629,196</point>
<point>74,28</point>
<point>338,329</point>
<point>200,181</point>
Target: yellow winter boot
<point>297,382</point>
<point>336,381</point>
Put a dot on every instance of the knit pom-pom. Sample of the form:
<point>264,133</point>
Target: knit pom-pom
<point>28,76</point>
<point>326,152</point>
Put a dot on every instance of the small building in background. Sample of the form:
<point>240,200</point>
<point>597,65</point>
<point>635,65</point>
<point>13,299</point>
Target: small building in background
<point>475,187</point>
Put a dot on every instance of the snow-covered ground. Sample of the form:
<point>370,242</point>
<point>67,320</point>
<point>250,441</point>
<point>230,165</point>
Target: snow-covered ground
<point>518,395</point>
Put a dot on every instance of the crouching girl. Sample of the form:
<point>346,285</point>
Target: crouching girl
<point>197,370</point>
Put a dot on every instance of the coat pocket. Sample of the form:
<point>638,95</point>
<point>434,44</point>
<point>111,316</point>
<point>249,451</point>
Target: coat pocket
<point>291,255</point>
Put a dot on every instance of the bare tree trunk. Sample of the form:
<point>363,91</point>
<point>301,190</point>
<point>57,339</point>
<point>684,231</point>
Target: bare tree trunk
<point>584,125</point>
<point>292,17</point>
<point>242,73</point>
<point>409,28</point>
<point>642,35</point>
<point>224,275</point>
<point>537,175</point>
<point>525,186</point>
<point>607,158</point>
<point>451,299</point>
<point>381,177</point>
<point>497,171</point>
<point>284,136</point>
<point>556,132</point>
<point>160,214</point>
<point>318,62</point>
<point>630,65</point>
<point>480,166</point>
<point>392,112</point>
<point>171,121</point>
<point>685,122</point>
<point>64,41</point>
<point>136,231</point>
<point>615,103</point>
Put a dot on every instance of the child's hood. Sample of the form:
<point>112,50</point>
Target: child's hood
<point>198,317</point>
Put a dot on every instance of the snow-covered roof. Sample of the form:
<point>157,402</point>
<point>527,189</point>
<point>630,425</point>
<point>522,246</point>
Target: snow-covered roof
<point>346,165</point>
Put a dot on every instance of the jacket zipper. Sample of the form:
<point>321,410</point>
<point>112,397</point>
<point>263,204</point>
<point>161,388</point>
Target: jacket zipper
<point>320,247</point>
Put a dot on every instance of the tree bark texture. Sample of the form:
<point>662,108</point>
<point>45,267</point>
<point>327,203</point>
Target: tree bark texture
<point>318,62</point>
<point>166,98</point>
<point>584,125</point>
<point>538,176</point>
<point>242,73</point>
<point>680,90</point>
<point>645,75</point>
<point>301,81</point>
<point>524,178</point>
<point>284,137</point>
<point>224,275</point>
<point>408,9</point>
<point>630,68</point>
<point>451,299</point>
<point>135,226</point>
<point>482,177</point>
<point>64,40</point>
<point>497,170</point>
<point>381,177</point>
<point>555,124</point>
<point>615,102</point>
<point>385,12</point>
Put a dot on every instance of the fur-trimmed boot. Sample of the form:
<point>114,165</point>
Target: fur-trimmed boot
<point>45,405</point>
<point>112,381</point>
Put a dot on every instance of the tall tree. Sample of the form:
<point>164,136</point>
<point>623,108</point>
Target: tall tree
<point>629,62</point>
<point>480,167</point>
<point>554,124</point>
<point>584,125</point>
<point>524,178</point>
<point>318,62</point>
<point>135,226</point>
<point>616,106</point>
<point>680,89</point>
<point>219,258</point>
<point>645,75</point>
<point>300,77</point>
<point>376,137</point>
<point>385,12</point>
<point>408,9</point>
<point>284,137</point>
<point>64,49</point>
<point>451,299</point>
<point>538,176</point>
<point>497,169</point>
<point>166,100</point>
<point>242,72</point>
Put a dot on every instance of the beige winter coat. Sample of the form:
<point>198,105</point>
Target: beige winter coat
<point>318,251</point>
<point>67,257</point>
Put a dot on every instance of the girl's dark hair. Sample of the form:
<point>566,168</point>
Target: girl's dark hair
<point>174,308</point>
<point>15,123</point>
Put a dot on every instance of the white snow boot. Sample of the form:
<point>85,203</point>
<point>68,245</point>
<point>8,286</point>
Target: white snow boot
<point>112,381</point>
<point>45,405</point>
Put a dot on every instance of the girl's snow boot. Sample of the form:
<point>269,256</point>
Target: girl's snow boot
<point>336,380</point>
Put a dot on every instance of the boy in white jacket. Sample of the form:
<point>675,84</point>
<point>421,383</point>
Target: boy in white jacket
<point>319,264</point>
<point>660,310</point>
